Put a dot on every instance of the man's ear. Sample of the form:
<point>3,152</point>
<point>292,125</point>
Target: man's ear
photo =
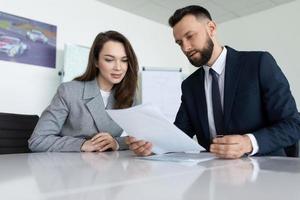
<point>212,28</point>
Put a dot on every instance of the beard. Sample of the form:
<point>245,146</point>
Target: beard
<point>205,54</point>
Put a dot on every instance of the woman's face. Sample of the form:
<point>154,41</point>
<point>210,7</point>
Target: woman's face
<point>112,63</point>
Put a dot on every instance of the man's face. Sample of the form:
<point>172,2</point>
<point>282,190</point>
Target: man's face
<point>193,38</point>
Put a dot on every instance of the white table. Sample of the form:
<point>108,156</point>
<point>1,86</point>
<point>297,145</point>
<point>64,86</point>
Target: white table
<point>119,175</point>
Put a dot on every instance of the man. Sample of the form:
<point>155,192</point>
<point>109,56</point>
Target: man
<point>237,102</point>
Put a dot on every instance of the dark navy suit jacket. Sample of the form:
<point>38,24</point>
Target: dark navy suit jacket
<point>257,100</point>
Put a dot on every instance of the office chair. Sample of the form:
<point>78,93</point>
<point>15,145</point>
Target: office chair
<point>293,150</point>
<point>15,130</point>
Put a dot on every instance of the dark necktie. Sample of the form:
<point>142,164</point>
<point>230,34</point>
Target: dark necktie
<point>216,102</point>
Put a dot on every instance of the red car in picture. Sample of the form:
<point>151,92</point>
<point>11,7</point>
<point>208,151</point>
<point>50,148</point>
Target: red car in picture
<point>12,46</point>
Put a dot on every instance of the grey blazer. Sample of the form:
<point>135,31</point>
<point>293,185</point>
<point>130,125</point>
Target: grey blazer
<point>76,113</point>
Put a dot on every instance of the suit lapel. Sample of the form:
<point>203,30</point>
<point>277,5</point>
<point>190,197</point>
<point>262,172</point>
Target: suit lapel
<point>202,108</point>
<point>96,106</point>
<point>232,71</point>
<point>111,101</point>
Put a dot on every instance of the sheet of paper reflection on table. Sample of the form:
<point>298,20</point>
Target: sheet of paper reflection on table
<point>181,157</point>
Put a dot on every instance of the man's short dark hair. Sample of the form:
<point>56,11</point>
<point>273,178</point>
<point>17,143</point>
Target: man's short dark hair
<point>197,11</point>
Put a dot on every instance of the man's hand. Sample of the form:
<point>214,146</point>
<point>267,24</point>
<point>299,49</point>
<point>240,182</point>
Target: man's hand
<point>231,146</point>
<point>139,147</point>
<point>100,142</point>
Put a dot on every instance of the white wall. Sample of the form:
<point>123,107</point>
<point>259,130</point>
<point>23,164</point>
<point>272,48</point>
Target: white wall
<point>29,89</point>
<point>276,30</point>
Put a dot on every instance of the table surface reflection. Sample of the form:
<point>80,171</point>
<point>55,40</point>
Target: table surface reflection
<point>121,175</point>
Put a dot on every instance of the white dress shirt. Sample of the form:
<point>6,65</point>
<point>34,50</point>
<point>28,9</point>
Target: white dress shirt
<point>105,96</point>
<point>219,68</point>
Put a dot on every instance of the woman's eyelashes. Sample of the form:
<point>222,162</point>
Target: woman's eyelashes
<point>112,59</point>
<point>125,60</point>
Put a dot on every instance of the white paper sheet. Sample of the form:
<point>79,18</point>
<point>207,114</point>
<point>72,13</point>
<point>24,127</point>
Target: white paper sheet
<point>146,122</point>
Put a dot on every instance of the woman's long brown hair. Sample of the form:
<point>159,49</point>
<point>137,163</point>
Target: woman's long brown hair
<point>124,91</point>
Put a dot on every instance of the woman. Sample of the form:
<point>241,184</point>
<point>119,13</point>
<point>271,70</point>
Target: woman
<point>76,119</point>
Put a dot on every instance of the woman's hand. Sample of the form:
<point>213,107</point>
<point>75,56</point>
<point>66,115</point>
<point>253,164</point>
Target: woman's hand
<point>100,142</point>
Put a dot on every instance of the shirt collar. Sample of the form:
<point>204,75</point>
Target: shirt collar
<point>219,64</point>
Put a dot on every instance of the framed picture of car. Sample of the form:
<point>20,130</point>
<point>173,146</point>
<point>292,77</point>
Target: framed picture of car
<point>27,41</point>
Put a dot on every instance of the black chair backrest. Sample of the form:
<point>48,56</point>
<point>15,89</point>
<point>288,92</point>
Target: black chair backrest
<point>293,150</point>
<point>15,130</point>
